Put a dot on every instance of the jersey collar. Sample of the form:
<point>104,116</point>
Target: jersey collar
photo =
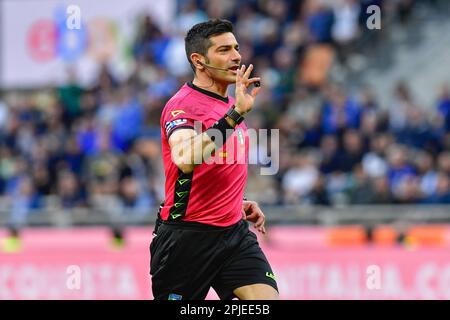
<point>208,93</point>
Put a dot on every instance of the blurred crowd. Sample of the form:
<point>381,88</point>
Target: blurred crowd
<point>74,147</point>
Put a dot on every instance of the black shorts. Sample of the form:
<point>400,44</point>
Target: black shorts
<point>189,258</point>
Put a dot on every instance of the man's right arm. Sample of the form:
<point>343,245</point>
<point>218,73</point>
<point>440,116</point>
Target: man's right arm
<point>190,149</point>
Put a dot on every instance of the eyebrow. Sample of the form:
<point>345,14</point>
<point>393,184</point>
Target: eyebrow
<point>227,46</point>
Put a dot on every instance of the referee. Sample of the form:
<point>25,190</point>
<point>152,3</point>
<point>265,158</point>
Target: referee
<point>202,238</point>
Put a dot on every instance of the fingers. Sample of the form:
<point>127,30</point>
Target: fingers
<point>262,230</point>
<point>260,222</point>
<point>243,69</point>
<point>243,81</point>
<point>247,72</point>
<point>240,83</point>
<point>253,80</point>
<point>239,74</point>
<point>253,211</point>
<point>243,75</point>
<point>255,215</point>
<point>259,225</point>
<point>252,216</point>
<point>244,215</point>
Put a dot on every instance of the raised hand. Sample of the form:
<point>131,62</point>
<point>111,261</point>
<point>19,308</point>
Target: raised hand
<point>244,100</point>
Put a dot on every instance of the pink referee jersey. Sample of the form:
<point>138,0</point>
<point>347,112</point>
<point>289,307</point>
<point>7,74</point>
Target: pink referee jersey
<point>213,193</point>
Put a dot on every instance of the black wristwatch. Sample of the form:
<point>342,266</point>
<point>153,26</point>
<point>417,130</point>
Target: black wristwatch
<point>234,115</point>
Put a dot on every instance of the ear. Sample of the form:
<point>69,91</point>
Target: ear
<point>197,60</point>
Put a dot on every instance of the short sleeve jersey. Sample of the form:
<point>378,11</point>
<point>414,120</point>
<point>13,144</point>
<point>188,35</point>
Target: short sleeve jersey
<point>213,193</point>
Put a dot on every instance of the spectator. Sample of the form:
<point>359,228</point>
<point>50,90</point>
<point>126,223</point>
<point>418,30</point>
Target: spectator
<point>71,194</point>
<point>329,154</point>
<point>79,143</point>
<point>24,201</point>
<point>361,190</point>
<point>320,20</point>
<point>374,162</point>
<point>442,193</point>
<point>301,178</point>
<point>353,151</point>
<point>381,191</point>
<point>318,194</point>
<point>346,26</point>
<point>339,112</point>
<point>399,170</point>
<point>444,108</point>
<point>428,176</point>
<point>134,200</point>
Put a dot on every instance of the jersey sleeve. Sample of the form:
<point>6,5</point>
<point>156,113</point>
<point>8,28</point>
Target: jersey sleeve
<point>175,118</point>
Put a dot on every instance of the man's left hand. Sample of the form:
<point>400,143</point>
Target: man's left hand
<point>251,212</point>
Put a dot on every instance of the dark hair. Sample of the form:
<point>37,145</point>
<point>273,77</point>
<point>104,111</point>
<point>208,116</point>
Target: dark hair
<point>197,39</point>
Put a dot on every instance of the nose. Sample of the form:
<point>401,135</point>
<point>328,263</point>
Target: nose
<point>236,56</point>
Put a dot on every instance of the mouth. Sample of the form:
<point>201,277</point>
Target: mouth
<point>234,69</point>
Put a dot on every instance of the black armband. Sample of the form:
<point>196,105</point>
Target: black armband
<point>220,131</point>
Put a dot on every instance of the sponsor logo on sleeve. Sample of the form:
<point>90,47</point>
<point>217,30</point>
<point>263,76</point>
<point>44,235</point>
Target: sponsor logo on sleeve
<point>174,113</point>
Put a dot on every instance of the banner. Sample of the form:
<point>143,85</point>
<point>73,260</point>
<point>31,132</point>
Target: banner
<point>39,39</point>
<point>86,264</point>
